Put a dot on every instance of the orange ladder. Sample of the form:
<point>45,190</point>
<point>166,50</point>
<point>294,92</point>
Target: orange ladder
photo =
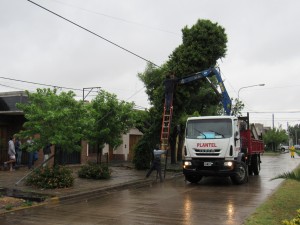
<point>165,127</point>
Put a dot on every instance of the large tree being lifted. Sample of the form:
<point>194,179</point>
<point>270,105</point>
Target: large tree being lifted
<point>202,45</point>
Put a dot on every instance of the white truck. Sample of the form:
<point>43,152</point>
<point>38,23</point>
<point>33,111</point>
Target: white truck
<point>220,146</point>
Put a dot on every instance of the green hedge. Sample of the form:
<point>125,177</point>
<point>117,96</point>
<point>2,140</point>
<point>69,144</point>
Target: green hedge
<point>94,171</point>
<point>51,177</point>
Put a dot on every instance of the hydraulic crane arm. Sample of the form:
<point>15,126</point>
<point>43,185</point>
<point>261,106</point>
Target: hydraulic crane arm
<point>226,101</point>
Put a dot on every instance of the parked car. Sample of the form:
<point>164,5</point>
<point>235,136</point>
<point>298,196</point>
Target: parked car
<point>297,147</point>
<point>284,147</point>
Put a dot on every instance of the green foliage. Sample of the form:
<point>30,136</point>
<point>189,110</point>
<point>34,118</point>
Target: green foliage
<point>203,44</point>
<point>294,175</point>
<point>109,119</point>
<point>143,154</point>
<point>57,118</point>
<point>294,133</point>
<point>51,178</point>
<point>279,206</point>
<point>27,203</point>
<point>94,171</point>
<point>237,108</point>
<point>274,137</point>
<point>295,221</point>
<point>8,207</point>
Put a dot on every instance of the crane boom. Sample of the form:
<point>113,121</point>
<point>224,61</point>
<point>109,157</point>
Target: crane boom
<point>168,111</point>
<point>226,101</point>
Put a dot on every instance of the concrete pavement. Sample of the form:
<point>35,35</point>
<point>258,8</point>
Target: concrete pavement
<point>122,176</point>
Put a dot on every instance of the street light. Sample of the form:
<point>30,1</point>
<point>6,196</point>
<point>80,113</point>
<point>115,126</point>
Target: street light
<point>255,85</point>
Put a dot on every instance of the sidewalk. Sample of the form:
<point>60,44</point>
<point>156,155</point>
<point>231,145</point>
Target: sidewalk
<point>122,176</point>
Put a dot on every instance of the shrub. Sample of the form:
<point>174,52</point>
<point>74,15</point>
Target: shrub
<point>94,171</point>
<point>294,221</point>
<point>51,177</point>
<point>142,155</point>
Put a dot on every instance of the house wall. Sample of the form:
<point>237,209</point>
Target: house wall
<point>121,153</point>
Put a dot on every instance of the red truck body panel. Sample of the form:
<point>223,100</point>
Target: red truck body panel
<point>253,146</point>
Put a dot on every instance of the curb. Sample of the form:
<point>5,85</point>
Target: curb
<point>89,194</point>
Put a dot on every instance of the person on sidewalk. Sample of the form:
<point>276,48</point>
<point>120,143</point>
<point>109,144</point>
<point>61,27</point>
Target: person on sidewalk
<point>18,151</point>
<point>11,154</point>
<point>47,152</point>
<point>156,163</point>
<point>292,151</point>
<point>30,153</point>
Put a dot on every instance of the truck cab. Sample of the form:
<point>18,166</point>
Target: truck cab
<point>213,148</point>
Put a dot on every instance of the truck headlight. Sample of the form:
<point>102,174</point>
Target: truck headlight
<point>228,163</point>
<point>187,163</point>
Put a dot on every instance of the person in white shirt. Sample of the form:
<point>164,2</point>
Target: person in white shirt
<point>11,153</point>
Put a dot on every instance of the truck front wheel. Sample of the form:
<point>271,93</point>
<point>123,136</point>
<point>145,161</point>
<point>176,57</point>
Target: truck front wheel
<point>193,178</point>
<point>241,175</point>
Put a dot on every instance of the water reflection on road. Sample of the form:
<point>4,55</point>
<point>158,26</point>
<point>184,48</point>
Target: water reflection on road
<point>212,201</point>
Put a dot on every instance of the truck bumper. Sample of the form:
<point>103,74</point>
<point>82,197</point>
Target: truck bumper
<point>209,167</point>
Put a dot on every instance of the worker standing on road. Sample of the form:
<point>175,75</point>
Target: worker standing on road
<point>156,163</point>
<point>292,151</point>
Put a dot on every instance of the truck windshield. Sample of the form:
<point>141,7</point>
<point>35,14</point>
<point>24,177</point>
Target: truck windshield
<point>209,129</point>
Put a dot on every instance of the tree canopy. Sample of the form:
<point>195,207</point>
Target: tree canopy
<point>274,137</point>
<point>109,119</point>
<point>202,45</point>
<point>294,133</point>
<point>53,118</point>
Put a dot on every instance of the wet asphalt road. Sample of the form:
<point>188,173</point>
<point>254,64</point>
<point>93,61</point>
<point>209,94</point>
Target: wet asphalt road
<point>212,201</point>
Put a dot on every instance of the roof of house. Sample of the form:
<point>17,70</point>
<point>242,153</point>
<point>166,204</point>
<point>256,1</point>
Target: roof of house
<point>8,102</point>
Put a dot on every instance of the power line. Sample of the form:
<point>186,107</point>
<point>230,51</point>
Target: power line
<point>118,18</point>
<point>47,85</point>
<point>292,111</point>
<point>60,87</point>
<point>3,85</point>
<point>93,33</point>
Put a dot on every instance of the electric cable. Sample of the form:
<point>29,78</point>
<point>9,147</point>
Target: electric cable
<point>117,18</point>
<point>47,85</point>
<point>94,33</point>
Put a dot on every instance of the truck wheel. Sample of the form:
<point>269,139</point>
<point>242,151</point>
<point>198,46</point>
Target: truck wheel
<point>250,172</point>
<point>283,150</point>
<point>193,178</point>
<point>241,175</point>
<point>255,164</point>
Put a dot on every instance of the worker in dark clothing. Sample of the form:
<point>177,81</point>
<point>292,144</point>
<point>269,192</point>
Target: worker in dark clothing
<point>156,164</point>
<point>169,84</point>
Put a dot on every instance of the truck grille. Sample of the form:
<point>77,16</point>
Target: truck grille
<point>207,152</point>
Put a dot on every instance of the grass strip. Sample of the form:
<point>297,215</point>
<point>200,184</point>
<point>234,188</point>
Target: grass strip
<point>281,205</point>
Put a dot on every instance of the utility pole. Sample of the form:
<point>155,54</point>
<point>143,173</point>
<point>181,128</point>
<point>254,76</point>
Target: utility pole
<point>90,90</point>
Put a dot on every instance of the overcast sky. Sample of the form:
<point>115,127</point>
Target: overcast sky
<point>263,47</point>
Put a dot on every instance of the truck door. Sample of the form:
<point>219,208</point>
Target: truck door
<point>237,137</point>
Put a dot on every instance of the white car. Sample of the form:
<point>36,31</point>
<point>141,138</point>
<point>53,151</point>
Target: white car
<point>297,147</point>
<point>284,148</point>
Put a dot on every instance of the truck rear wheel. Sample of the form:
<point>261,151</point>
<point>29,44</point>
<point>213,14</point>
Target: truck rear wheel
<point>193,178</point>
<point>255,164</point>
<point>241,175</point>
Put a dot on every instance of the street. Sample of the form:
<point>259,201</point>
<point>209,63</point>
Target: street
<point>212,201</point>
